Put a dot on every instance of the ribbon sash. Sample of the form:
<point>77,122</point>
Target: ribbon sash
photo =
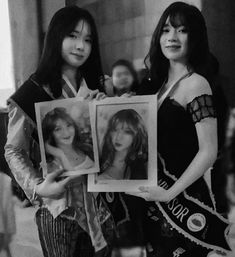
<point>192,218</point>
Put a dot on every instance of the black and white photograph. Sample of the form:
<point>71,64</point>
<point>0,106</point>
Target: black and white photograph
<point>124,130</point>
<point>65,137</point>
<point>117,128</point>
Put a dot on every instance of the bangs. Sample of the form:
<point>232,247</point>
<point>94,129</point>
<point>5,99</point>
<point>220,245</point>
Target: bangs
<point>125,125</point>
<point>177,20</point>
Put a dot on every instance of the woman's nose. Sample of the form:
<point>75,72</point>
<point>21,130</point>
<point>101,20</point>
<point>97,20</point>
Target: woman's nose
<point>172,36</point>
<point>119,136</point>
<point>79,44</point>
<point>65,132</point>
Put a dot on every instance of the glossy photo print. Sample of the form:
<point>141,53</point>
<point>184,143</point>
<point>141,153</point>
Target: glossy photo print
<point>127,145</point>
<point>65,137</point>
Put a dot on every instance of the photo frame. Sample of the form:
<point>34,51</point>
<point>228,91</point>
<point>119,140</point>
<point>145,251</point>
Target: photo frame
<point>124,126</point>
<point>72,113</point>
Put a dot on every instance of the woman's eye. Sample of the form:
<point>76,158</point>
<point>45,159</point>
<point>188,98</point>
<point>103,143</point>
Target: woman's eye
<point>57,129</point>
<point>72,36</point>
<point>165,30</point>
<point>88,40</point>
<point>129,132</point>
<point>183,30</point>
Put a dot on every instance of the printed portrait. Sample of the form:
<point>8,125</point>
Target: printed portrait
<point>65,137</point>
<point>123,130</point>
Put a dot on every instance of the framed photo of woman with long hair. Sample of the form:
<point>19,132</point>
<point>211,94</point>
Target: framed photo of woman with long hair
<point>65,137</point>
<point>125,134</point>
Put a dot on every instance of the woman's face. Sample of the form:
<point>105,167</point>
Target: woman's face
<point>122,137</point>
<point>122,77</point>
<point>174,42</point>
<point>76,47</point>
<point>63,133</point>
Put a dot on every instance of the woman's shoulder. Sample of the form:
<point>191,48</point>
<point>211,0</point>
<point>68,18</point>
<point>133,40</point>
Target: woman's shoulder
<point>195,86</point>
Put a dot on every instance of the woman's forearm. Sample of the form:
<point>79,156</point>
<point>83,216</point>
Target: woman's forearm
<point>22,169</point>
<point>203,160</point>
<point>17,150</point>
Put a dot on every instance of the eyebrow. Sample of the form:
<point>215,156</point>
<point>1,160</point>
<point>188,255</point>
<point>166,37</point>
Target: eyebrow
<point>78,32</point>
<point>167,25</point>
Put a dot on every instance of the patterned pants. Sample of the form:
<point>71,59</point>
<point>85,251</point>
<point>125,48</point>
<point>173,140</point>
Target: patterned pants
<point>61,237</point>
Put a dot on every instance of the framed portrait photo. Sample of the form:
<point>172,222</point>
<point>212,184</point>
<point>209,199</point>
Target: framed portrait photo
<point>65,137</point>
<point>125,132</point>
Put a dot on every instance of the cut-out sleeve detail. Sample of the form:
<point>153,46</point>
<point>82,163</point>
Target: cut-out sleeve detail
<point>201,107</point>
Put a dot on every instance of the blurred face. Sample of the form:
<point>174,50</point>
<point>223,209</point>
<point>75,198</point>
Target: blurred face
<point>63,133</point>
<point>174,42</point>
<point>122,78</point>
<point>122,137</point>
<point>76,47</point>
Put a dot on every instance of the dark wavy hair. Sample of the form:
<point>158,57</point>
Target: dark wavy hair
<point>50,66</point>
<point>180,14</point>
<point>49,124</point>
<point>139,147</point>
<point>130,67</point>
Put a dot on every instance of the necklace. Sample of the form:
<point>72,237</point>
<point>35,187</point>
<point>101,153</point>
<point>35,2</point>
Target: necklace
<point>162,96</point>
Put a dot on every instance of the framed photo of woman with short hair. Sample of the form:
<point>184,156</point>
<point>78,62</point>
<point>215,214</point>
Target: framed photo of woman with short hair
<point>125,134</point>
<point>65,137</point>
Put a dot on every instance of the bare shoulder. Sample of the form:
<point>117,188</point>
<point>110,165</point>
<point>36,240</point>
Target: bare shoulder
<point>194,86</point>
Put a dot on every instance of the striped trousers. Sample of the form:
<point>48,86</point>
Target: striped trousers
<point>62,237</point>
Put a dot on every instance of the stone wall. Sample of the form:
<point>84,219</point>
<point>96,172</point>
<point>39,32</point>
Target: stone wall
<point>24,30</point>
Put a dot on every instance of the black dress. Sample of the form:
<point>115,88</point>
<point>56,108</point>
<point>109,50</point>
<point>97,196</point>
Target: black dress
<point>177,146</point>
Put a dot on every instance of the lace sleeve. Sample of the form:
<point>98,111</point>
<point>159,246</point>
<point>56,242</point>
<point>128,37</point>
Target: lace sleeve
<point>201,107</point>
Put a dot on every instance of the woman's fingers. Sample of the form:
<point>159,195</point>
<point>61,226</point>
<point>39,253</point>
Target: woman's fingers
<point>65,181</point>
<point>100,96</point>
<point>52,176</point>
<point>144,189</point>
<point>143,195</point>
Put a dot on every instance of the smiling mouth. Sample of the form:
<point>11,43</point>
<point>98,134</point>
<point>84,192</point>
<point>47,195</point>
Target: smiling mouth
<point>117,144</point>
<point>173,47</point>
<point>78,56</point>
<point>66,138</point>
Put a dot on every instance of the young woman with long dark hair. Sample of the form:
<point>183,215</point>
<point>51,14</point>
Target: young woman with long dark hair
<point>70,66</point>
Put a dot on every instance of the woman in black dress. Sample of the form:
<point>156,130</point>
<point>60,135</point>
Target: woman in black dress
<point>182,218</point>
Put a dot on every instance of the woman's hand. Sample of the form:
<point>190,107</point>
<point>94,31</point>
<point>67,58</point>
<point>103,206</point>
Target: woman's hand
<point>129,94</point>
<point>54,151</point>
<point>155,193</point>
<point>95,94</point>
<point>53,186</point>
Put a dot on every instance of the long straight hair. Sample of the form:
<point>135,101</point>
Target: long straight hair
<point>49,70</point>
<point>179,14</point>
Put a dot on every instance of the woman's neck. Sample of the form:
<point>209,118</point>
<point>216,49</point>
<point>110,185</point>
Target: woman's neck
<point>120,156</point>
<point>70,73</point>
<point>176,70</point>
<point>67,149</point>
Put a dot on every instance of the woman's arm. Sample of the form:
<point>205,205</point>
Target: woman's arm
<point>17,151</point>
<point>58,154</point>
<point>203,160</point>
